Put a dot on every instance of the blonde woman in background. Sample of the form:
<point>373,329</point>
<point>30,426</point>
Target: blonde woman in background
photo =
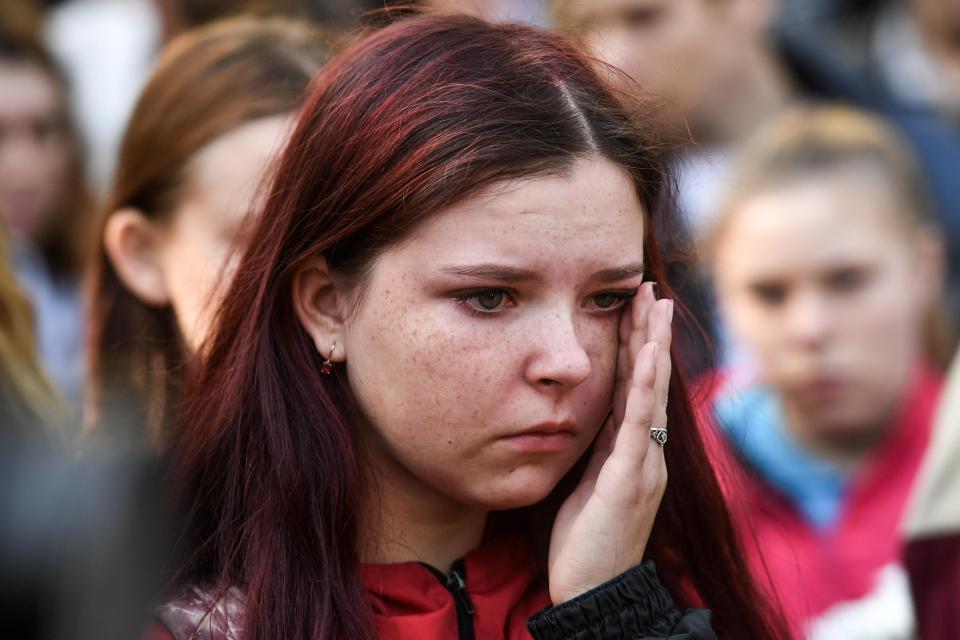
<point>828,268</point>
<point>29,408</point>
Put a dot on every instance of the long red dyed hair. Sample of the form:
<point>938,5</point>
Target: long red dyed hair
<point>407,121</point>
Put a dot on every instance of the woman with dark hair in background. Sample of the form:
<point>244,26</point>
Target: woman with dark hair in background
<point>44,202</point>
<point>437,393</point>
<point>198,146</point>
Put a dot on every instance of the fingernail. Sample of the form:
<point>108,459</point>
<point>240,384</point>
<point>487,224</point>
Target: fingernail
<point>670,311</point>
<point>655,288</point>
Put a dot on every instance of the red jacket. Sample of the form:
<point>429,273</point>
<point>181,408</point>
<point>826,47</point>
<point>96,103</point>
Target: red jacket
<point>809,570</point>
<point>494,593</point>
<point>411,601</point>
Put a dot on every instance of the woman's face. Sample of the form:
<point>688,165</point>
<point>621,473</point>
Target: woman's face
<point>197,244</point>
<point>483,349</point>
<point>829,290</point>
<point>35,150</point>
<point>684,51</point>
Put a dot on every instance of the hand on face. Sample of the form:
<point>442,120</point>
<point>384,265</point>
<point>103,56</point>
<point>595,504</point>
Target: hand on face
<point>603,527</point>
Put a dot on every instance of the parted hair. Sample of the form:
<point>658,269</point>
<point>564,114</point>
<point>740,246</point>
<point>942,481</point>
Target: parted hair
<point>407,121</point>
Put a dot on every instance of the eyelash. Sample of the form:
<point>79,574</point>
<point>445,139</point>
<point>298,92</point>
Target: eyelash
<point>463,300</point>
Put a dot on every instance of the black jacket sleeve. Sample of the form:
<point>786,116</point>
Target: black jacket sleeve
<point>632,606</point>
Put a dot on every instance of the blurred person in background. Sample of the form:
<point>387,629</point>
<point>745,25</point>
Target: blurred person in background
<point>711,62</point>
<point>31,412</point>
<point>901,59</point>
<point>178,16</point>
<point>44,202</point>
<point>906,52</point>
<point>916,50</point>
<point>716,73</point>
<point>723,70</point>
<point>196,154</point>
<point>108,48</point>
<point>22,16</point>
<point>527,11</point>
<point>828,266</point>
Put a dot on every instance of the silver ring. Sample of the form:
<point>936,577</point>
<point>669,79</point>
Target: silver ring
<point>659,434</point>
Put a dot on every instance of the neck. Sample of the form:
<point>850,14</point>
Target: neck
<point>847,448</point>
<point>405,521</point>
<point>760,90</point>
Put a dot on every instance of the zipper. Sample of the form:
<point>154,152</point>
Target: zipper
<point>456,583</point>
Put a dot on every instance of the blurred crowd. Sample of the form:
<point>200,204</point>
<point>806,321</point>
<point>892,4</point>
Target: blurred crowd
<point>815,155</point>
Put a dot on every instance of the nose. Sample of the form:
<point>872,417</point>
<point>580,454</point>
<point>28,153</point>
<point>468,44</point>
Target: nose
<point>808,320</point>
<point>558,357</point>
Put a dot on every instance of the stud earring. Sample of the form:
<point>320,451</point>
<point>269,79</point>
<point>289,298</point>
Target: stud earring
<point>327,367</point>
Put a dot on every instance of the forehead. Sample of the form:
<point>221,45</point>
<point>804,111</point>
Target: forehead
<point>229,171</point>
<point>588,217</point>
<point>28,91</point>
<point>811,224</point>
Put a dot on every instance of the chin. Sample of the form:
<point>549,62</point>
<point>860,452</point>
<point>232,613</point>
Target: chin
<point>851,427</point>
<point>522,488</point>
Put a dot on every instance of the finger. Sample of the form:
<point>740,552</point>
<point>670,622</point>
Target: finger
<point>632,334</point>
<point>660,330</point>
<point>624,362</point>
<point>633,435</point>
<point>633,324</point>
<point>646,299</point>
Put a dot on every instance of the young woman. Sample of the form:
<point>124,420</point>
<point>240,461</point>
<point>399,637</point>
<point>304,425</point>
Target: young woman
<point>438,391</point>
<point>44,202</point>
<point>828,269</point>
<point>200,142</point>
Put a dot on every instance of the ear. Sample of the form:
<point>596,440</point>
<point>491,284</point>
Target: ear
<point>321,308</point>
<point>132,243</point>
<point>930,261</point>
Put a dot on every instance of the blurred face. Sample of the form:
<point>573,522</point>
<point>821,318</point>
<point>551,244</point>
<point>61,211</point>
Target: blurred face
<point>829,290</point>
<point>941,19</point>
<point>676,49</point>
<point>34,148</point>
<point>483,350</point>
<point>497,10</point>
<point>197,245</point>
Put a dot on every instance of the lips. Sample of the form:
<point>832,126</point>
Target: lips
<point>547,437</point>
<point>823,386</point>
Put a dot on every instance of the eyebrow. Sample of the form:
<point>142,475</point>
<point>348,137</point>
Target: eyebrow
<point>491,272</point>
<point>510,274</point>
<point>619,273</point>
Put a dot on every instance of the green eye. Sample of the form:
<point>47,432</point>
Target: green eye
<point>606,300</point>
<point>489,300</point>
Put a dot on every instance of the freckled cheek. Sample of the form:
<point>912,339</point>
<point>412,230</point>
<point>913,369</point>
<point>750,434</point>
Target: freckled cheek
<point>602,345</point>
<point>419,350</point>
